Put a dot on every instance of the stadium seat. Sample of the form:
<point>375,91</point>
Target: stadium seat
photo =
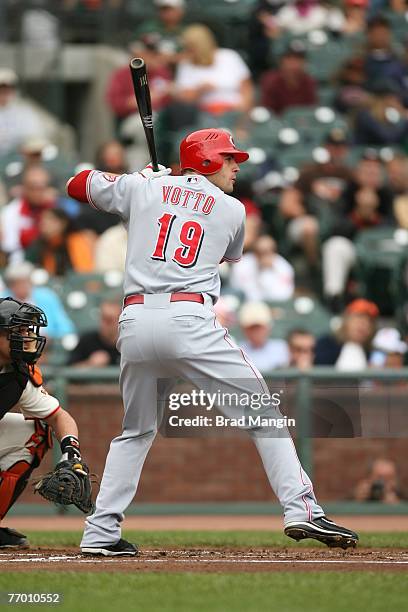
<point>313,122</point>
<point>82,295</point>
<point>379,253</point>
<point>324,61</point>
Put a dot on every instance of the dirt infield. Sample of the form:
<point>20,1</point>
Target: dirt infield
<point>203,523</point>
<point>220,560</point>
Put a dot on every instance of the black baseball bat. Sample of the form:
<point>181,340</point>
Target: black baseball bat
<point>142,93</point>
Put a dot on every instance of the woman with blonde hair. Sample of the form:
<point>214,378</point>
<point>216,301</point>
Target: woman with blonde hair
<point>215,79</point>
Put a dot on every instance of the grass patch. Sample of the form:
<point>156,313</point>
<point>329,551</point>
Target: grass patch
<point>283,591</point>
<point>214,539</point>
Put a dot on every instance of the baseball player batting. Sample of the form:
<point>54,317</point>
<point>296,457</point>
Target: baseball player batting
<point>25,437</point>
<point>179,229</point>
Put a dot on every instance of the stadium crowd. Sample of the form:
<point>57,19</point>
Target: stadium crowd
<point>318,94</point>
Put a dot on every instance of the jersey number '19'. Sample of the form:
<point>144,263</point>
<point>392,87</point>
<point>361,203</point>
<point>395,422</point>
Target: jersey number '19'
<point>191,238</point>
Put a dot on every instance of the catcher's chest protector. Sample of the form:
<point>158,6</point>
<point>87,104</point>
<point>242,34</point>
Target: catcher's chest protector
<point>12,385</point>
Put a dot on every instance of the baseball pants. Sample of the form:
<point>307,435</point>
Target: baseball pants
<point>159,339</point>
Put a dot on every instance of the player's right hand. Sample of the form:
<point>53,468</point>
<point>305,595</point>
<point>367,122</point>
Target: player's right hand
<point>149,173</point>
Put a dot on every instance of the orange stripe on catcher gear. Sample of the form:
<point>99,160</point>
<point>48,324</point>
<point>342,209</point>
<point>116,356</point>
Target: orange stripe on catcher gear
<point>203,151</point>
<point>12,483</point>
<point>35,375</point>
<point>14,480</point>
<point>39,442</point>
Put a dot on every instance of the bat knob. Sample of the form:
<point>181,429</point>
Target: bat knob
<point>136,63</point>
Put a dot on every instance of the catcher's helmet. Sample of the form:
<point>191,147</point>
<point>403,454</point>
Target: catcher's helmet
<point>202,151</point>
<point>27,346</point>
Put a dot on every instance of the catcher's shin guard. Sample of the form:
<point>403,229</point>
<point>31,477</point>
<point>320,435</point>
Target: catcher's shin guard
<point>12,483</point>
<point>14,479</point>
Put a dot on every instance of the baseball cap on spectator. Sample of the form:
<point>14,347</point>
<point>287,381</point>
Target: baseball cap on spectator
<point>34,145</point>
<point>8,77</point>
<point>295,47</point>
<point>18,271</point>
<point>362,306</point>
<point>255,313</point>
<point>388,340</point>
<point>172,3</point>
<point>337,136</point>
<point>362,3</point>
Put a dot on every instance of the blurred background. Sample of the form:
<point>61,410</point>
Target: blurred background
<point>317,92</point>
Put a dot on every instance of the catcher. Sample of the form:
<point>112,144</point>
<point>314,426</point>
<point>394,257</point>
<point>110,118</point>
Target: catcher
<point>25,437</point>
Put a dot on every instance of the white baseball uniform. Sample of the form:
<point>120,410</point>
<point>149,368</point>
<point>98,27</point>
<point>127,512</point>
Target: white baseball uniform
<point>24,438</point>
<point>179,229</point>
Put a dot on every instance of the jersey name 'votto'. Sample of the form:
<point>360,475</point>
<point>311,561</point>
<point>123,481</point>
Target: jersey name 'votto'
<point>186,198</point>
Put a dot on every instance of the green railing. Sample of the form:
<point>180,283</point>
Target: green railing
<point>302,381</point>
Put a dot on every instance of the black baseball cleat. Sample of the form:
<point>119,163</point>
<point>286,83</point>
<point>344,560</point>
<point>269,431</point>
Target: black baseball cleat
<point>324,530</point>
<point>120,549</point>
<point>10,538</point>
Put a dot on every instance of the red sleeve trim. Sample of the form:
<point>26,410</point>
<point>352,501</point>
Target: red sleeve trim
<point>51,413</point>
<point>88,190</point>
<point>230,260</point>
<point>77,187</point>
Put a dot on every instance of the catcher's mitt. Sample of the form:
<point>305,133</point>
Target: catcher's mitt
<point>69,483</point>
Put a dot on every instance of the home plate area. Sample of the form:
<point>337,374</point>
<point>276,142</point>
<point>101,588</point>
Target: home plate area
<point>205,560</point>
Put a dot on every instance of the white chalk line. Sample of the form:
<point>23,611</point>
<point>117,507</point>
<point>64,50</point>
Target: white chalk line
<point>80,559</point>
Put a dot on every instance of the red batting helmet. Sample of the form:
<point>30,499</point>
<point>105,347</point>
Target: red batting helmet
<point>202,151</point>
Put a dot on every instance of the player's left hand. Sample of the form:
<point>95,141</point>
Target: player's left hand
<point>149,173</point>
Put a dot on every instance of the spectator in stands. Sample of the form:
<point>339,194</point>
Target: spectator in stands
<point>366,204</point>
<point>97,349</point>
<point>289,85</point>
<point>349,348</point>
<point>40,27</point>
<point>168,26</point>
<point>225,313</point>
<point>19,220</point>
<point>110,249</point>
<point>18,119</point>
<point>329,179</point>
<point>303,16</point>
<point>267,354</point>
<point>350,83</point>
<point>381,62</point>
<point>244,193</point>
<point>355,13</point>
<point>216,80</point>
<point>120,94</point>
<point>369,173</point>
<point>262,29</point>
<point>264,274</point>
<point>381,484</point>
<point>60,248</point>
<point>397,173</point>
<point>302,225</point>
<point>30,154</point>
<point>18,279</point>
<point>301,345</point>
<point>385,121</point>
<point>389,349</point>
<point>111,157</point>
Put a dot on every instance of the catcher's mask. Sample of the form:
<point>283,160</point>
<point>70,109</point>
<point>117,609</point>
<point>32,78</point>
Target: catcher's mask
<point>22,322</point>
